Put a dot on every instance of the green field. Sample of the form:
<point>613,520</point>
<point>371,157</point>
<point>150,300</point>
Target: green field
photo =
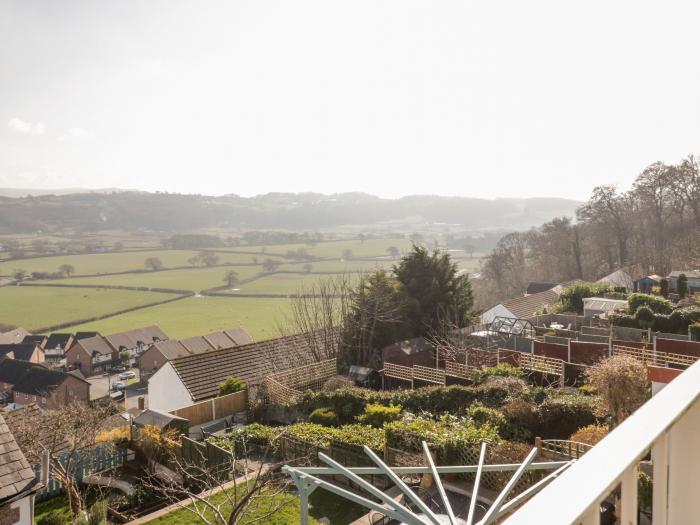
<point>200,315</point>
<point>368,248</point>
<point>37,307</point>
<point>195,279</point>
<point>97,263</point>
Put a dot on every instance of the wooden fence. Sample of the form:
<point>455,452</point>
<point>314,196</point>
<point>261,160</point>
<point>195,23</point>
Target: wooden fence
<point>284,387</point>
<point>214,408</point>
<point>655,358</point>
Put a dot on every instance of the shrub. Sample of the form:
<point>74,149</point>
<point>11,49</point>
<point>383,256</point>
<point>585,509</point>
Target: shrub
<point>500,370</point>
<point>571,299</point>
<point>377,415</point>
<point>324,416</point>
<point>254,434</point>
<point>482,415</point>
<point>336,383</point>
<point>644,317</point>
<point>645,491</point>
<point>624,320</point>
<point>561,416</point>
<point>622,383</point>
<point>522,420</point>
<point>408,433</point>
<point>231,385</point>
<point>682,286</point>
<point>590,434</point>
<point>513,385</point>
<point>658,305</point>
<point>695,331</point>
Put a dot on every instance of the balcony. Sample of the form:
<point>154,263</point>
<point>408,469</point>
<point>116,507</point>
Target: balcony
<point>668,427</point>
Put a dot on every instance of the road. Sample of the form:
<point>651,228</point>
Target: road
<point>100,387</point>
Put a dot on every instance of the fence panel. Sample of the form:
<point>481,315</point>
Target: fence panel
<point>430,375</point>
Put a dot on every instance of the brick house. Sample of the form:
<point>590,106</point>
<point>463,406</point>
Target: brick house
<point>29,352</point>
<point>50,388</point>
<point>91,356</point>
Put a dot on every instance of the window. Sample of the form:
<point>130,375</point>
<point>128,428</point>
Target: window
<point>43,400</point>
<point>33,398</point>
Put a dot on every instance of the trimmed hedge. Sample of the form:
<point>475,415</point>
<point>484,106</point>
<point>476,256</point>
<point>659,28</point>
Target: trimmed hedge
<point>324,416</point>
<point>376,415</point>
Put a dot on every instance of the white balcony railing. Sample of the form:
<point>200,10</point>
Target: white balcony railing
<point>668,426</point>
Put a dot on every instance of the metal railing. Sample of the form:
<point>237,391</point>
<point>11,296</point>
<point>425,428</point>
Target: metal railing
<point>668,426</point>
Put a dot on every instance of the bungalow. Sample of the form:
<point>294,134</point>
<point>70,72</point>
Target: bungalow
<point>162,352</point>
<point>693,277</point>
<point>91,356</point>
<point>23,352</point>
<point>193,378</point>
<point>525,307</point>
<point>18,482</point>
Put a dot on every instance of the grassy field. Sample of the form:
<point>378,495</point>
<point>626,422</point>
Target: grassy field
<point>200,315</point>
<point>335,249</point>
<point>195,279</point>
<point>97,263</point>
<point>36,307</point>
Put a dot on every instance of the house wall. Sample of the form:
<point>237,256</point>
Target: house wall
<point>497,311</point>
<point>166,391</point>
<point>150,362</point>
<point>37,356</point>
<point>20,512</point>
<point>78,357</point>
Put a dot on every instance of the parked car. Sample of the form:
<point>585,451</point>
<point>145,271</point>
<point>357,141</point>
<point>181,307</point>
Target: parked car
<point>127,375</point>
<point>118,385</point>
<point>118,368</point>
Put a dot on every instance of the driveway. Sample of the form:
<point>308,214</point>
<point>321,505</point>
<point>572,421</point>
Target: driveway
<point>100,387</point>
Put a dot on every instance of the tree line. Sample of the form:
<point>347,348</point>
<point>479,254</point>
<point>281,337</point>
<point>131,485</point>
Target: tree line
<point>652,228</point>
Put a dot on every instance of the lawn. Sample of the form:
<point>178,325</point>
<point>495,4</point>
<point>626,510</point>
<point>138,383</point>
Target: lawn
<point>97,263</point>
<point>195,279</point>
<point>321,504</point>
<point>200,315</point>
<point>36,307</point>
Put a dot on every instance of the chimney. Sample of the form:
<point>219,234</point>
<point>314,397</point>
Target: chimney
<point>44,472</point>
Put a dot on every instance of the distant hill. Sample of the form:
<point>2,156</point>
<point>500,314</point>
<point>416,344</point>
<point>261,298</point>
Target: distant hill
<point>23,192</point>
<point>170,212</point>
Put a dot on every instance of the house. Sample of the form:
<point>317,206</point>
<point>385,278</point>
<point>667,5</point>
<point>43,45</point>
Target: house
<point>193,378</point>
<point>536,287</point>
<point>33,383</point>
<point>23,352</point>
<point>85,335</point>
<point>136,341</point>
<point>38,340</point>
<point>525,307</point>
<point>13,336</point>
<point>162,352</point>
<point>56,347</point>
<point>91,356</point>
<point>18,482</point>
<point>620,281</point>
<point>601,306</point>
<point>693,277</point>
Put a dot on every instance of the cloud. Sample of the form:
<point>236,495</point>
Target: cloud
<point>26,128</point>
<point>76,133</point>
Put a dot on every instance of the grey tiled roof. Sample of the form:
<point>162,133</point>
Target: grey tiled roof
<point>146,335</point>
<point>202,373</point>
<point>16,476</point>
<point>196,345</point>
<point>239,336</point>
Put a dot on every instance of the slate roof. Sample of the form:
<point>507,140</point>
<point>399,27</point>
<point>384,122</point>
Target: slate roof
<point>239,336</point>
<point>202,373</point>
<point>197,344</point>
<point>535,287</point>
<point>85,335</point>
<point>95,345</point>
<point>16,475</point>
<point>30,378</point>
<point>13,336</point>
<point>695,274</point>
<point>171,349</point>
<point>12,370</point>
<point>618,279</point>
<point>37,340</point>
<point>130,339</point>
<point>56,340</point>
<point>528,305</point>
<point>21,352</point>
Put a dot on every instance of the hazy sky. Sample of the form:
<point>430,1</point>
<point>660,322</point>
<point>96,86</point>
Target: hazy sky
<point>476,98</point>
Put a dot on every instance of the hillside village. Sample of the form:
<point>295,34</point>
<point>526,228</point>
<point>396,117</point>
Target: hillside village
<point>537,372</point>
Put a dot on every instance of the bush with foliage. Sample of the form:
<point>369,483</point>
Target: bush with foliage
<point>561,415</point>
<point>377,415</point>
<point>324,416</point>
<point>500,370</point>
<point>645,491</point>
<point>622,385</point>
<point>590,434</point>
<point>522,420</point>
<point>448,431</point>
<point>55,517</point>
<point>482,415</point>
<point>231,385</point>
<point>656,304</point>
<point>571,299</point>
<point>682,286</point>
<point>694,331</point>
<point>644,316</point>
